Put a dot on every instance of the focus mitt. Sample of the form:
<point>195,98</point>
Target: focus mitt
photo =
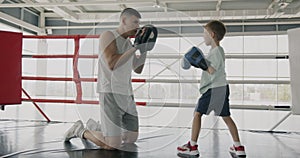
<point>145,38</point>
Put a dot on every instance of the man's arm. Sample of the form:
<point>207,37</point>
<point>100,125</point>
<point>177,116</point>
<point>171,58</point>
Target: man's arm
<point>109,48</point>
<point>138,63</point>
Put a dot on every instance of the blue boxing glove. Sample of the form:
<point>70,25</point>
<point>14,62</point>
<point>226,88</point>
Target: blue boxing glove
<point>196,58</point>
<point>185,64</point>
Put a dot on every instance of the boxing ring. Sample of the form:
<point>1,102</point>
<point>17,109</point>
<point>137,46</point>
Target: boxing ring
<point>75,56</point>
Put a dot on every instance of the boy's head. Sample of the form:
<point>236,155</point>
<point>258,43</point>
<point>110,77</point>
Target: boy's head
<point>216,30</point>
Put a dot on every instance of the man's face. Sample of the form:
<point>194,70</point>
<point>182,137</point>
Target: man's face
<point>132,24</point>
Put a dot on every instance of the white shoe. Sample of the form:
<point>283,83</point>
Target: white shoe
<point>237,151</point>
<point>76,130</point>
<point>93,125</point>
<point>187,150</point>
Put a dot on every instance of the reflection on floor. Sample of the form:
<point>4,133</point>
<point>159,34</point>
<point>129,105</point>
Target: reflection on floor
<point>44,140</point>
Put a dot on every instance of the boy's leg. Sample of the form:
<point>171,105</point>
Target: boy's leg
<point>201,108</point>
<point>232,128</point>
<point>237,150</point>
<point>191,148</point>
<point>196,126</point>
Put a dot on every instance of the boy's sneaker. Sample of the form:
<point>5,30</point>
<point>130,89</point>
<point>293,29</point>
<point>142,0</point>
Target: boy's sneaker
<point>237,151</point>
<point>189,150</point>
<point>76,130</point>
<point>93,125</point>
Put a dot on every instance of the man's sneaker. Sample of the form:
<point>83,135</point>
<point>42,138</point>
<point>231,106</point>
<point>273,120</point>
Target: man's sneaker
<point>189,150</point>
<point>93,125</point>
<point>237,151</point>
<point>76,130</point>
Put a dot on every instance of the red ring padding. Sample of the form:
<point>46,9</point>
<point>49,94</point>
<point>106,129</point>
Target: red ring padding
<point>10,67</point>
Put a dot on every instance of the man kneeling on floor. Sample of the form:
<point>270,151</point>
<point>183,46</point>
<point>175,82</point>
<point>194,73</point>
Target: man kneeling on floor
<point>117,59</point>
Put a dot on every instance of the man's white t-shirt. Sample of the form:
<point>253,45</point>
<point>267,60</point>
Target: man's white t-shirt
<point>118,80</point>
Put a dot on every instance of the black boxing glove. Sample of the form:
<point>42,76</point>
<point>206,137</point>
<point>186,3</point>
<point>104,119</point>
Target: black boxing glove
<point>145,38</point>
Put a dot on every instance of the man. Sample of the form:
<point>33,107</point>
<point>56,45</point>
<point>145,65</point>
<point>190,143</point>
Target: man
<point>117,59</point>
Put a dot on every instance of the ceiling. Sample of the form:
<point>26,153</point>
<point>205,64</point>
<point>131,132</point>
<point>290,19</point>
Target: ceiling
<point>94,11</point>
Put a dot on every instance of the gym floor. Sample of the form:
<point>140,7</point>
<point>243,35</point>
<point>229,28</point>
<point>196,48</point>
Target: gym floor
<point>21,138</point>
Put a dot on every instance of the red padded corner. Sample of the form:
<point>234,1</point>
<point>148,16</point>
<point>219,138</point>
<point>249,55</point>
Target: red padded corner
<point>10,67</point>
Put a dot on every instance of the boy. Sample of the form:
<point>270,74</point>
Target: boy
<point>215,92</point>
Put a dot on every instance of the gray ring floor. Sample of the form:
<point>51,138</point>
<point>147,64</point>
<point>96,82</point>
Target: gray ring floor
<point>21,138</point>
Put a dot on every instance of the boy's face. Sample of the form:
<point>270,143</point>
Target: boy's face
<point>208,37</point>
<point>131,24</point>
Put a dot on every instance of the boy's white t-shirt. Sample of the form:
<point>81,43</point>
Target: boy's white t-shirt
<point>216,57</point>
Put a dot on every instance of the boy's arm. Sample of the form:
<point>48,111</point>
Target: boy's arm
<point>210,70</point>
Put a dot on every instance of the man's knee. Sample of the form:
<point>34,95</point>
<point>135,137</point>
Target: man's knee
<point>113,142</point>
<point>130,137</point>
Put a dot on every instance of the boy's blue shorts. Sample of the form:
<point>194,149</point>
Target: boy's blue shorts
<point>215,99</point>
